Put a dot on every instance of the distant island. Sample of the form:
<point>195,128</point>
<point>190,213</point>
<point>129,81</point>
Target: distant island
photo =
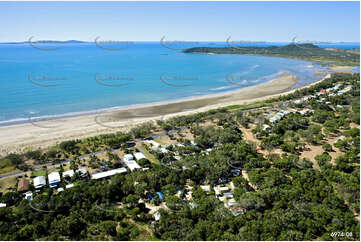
<point>298,51</point>
<point>47,42</point>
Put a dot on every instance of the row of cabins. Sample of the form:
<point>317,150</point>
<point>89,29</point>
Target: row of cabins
<point>278,116</point>
<point>335,88</point>
<point>54,178</point>
<point>225,194</point>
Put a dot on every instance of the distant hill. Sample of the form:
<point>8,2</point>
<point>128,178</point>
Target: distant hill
<point>297,51</point>
<point>46,42</point>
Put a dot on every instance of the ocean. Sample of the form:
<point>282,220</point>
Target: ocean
<point>58,79</point>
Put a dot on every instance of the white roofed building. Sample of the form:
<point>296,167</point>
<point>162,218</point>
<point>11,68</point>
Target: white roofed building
<point>104,174</point>
<point>132,165</point>
<point>39,182</point>
<point>69,173</point>
<point>54,179</point>
<point>139,155</point>
<point>82,171</point>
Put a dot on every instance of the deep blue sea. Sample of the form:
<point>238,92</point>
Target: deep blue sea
<point>83,77</point>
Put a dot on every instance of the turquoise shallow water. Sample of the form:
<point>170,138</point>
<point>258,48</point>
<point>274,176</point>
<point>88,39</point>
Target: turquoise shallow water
<point>81,77</point>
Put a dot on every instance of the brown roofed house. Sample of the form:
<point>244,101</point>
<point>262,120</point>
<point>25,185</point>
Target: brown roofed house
<point>23,185</point>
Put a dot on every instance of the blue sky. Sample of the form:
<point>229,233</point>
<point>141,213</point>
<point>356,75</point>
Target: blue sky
<point>199,21</point>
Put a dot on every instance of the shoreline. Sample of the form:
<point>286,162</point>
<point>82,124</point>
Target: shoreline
<point>44,133</point>
<point>50,117</point>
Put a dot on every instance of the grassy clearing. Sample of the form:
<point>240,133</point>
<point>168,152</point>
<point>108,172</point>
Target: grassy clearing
<point>145,233</point>
<point>8,182</point>
<point>40,172</point>
<point>6,166</point>
<point>148,155</point>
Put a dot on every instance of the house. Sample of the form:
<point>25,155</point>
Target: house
<point>278,116</point>
<point>82,171</point>
<point>39,182</point>
<point>104,174</point>
<point>23,185</point>
<point>139,155</point>
<point>128,157</point>
<point>29,195</point>
<point>160,195</point>
<point>130,162</point>
<point>54,179</point>
<point>69,173</point>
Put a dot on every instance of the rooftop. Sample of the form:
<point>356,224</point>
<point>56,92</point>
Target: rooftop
<point>69,173</point>
<point>39,181</point>
<point>54,177</point>
<point>23,185</point>
<point>108,173</point>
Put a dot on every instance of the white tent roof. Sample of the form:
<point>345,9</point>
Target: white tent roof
<point>108,173</point>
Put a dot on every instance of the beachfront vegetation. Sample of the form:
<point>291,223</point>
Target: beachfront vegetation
<point>294,179</point>
<point>298,51</point>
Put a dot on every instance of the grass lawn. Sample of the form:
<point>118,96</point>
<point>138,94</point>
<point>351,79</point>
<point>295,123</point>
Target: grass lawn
<point>148,155</point>
<point>8,182</point>
<point>40,172</point>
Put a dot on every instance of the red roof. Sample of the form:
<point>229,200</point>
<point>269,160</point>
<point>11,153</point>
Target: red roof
<point>23,185</point>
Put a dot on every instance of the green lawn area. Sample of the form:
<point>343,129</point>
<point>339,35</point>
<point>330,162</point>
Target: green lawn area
<point>8,182</point>
<point>148,155</point>
<point>6,166</point>
<point>40,172</point>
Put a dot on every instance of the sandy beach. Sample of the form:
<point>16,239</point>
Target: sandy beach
<point>41,134</point>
